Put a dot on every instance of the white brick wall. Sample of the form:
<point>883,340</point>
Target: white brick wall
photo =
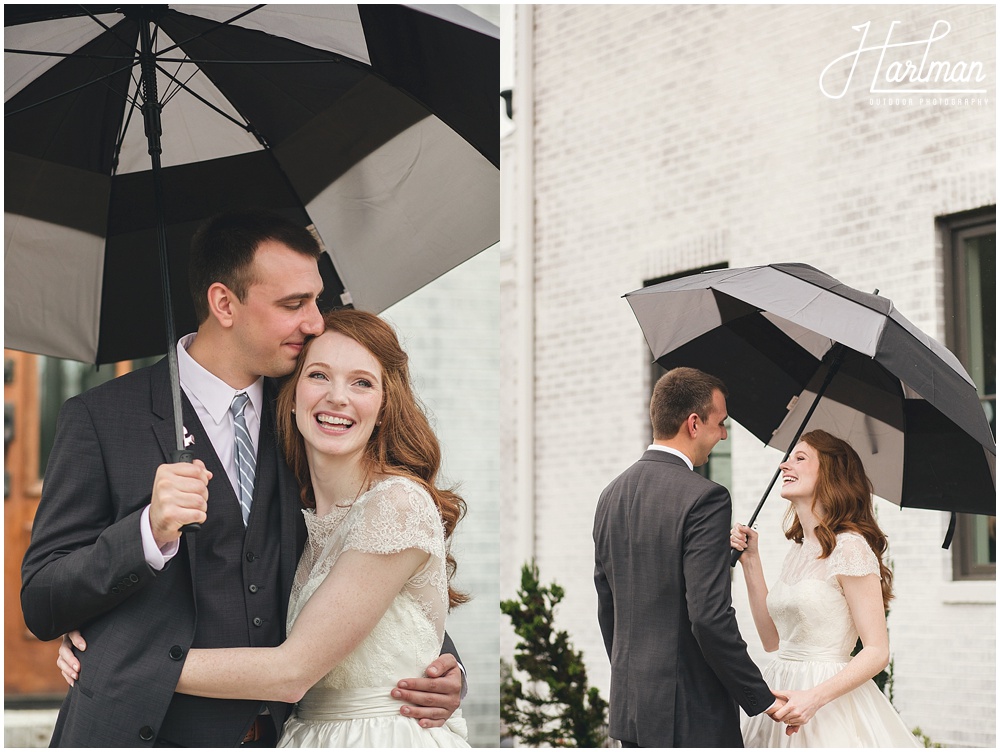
<point>449,329</point>
<point>672,137</point>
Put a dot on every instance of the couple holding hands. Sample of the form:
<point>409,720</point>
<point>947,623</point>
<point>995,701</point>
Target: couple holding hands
<point>679,667</point>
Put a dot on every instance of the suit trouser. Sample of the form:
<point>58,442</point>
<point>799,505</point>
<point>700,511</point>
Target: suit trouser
<point>268,739</point>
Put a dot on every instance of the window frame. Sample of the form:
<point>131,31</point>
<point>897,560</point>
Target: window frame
<point>954,230</point>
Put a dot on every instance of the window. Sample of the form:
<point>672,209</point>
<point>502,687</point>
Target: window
<point>58,380</point>
<point>719,467</point>
<point>970,253</point>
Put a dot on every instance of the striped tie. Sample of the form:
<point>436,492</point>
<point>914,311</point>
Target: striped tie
<point>246,463</point>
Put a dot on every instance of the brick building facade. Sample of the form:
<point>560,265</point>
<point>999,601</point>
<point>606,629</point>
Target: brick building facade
<point>651,141</point>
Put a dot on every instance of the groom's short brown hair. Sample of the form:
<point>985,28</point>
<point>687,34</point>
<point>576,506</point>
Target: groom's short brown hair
<point>678,393</point>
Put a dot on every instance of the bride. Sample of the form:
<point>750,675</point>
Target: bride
<point>372,588</point>
<point>833,588</point>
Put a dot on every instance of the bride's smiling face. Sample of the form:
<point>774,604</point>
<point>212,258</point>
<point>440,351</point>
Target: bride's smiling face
<point>338,396</point>
<point>799,473</point>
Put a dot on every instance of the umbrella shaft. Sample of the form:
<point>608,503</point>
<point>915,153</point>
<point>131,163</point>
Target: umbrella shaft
<point>150,98</point>
<point>153,129</point>
<point>836,357</point>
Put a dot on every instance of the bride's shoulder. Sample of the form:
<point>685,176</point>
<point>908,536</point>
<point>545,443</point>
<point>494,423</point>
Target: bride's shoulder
<point>851,538</point>
<point>398,491</point>
<point>853,556</point>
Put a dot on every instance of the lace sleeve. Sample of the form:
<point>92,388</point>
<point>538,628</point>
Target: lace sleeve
<point>852,557</point>
<point>398,514</point>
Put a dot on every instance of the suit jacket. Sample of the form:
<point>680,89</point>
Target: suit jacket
<point>678,664</point>
<point>85,566</point>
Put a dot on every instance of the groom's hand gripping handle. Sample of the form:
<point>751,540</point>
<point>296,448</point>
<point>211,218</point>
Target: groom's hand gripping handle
<point>185,455</point>
<point>179,497</point>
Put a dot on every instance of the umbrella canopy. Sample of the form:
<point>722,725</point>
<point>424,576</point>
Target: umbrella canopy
<point>376,125</point>
<point>774,334</point>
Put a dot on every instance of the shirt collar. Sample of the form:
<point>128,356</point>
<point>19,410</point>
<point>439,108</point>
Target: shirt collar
<point>213,393</point>
<point>671,450</point>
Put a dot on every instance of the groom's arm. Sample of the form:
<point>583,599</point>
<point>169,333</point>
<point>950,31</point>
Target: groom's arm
<point>432,699</point>
<point>709,601</point>
<point>448,648</point>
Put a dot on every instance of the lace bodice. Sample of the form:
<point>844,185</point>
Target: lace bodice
<point>394,514</point>
<point>807,604</point>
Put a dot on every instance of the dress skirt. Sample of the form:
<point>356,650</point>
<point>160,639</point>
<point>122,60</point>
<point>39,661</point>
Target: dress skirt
<point>861,718</point>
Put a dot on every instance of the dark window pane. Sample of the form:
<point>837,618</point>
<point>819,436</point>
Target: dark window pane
<point>58,381</point>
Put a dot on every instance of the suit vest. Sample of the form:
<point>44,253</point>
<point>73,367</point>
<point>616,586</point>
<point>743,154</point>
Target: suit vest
<point>238,596</point>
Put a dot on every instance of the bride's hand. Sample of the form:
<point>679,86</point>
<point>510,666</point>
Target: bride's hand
<point>743,538</point>
<point>799,708</point>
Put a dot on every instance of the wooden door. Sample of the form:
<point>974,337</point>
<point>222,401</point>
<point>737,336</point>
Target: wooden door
<point>34,389</point>
<point>29,664</point>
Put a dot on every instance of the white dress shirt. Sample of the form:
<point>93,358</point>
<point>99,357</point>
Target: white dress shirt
<point>211,398</point>
<point>671,450</point>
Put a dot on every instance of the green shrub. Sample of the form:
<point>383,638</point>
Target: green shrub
<point>565,711</point>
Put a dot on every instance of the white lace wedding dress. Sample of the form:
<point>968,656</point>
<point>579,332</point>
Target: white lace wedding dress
<point>351,706</point>
<point>817,636</point>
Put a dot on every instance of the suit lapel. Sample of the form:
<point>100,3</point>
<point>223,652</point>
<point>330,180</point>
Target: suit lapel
<point>286,486</point>
<point>220,488</point>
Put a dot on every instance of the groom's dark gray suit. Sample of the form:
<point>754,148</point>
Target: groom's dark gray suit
<point>678,664</point>
<point>226,587</point>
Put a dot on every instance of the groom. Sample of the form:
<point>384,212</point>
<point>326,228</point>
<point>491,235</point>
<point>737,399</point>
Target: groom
<point>678,664</point>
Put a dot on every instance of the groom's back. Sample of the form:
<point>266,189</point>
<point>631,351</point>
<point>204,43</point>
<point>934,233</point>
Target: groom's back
<point>662,688</point>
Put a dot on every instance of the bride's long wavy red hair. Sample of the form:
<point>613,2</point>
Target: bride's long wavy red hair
<point>845,492</point>
<point>403,444</point>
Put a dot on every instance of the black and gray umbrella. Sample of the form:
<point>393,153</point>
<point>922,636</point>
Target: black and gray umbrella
<point>128,125</point>
<point>798,350</point>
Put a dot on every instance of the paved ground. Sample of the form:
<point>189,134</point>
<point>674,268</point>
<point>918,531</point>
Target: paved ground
<point>27,728</point>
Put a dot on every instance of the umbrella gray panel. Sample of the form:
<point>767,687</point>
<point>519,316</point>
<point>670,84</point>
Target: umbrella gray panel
<point>55,314</point>
<point>825,311</point>
<point>878,443</point>
<point>686,315</point>
<point>380,267</point>
<point>333,27</point>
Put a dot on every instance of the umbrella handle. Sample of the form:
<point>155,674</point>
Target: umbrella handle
<point>185,455</point>
<point>734,555</point>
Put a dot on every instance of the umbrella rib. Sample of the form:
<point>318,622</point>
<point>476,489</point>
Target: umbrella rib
<point>338,59</point>
<point>196,95</point>
<point>101,23</point>
<point>171,95</point>
<point>220,24</point>
<point>100,79</point>
<point>168,95</point>
<point>107,28</point>
<point>81,56</point>
<point>121,134</point>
